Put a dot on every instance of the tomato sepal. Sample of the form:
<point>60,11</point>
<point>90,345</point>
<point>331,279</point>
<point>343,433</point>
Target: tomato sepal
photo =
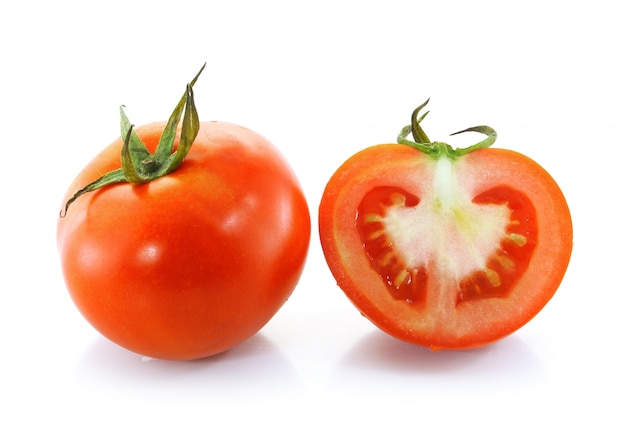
<point>139,165</point>
<point>422,143</point>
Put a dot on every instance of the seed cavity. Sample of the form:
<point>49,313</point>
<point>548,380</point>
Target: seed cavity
<point>372,218</point>
<point>404,283</point>
<point>506,262</point>
<point>385,258</point>
<point>493,276</point>
<point>397,199</point>
<point>517,239</point>
<point>375,234</point>
<point>400,278</point>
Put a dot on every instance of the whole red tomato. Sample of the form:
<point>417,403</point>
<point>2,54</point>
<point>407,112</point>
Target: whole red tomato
<point>192,263</point>
<point>445,248</point>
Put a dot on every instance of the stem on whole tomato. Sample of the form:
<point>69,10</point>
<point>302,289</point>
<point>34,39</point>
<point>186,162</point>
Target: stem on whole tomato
<point>139,165</point>
<point>422,143</point>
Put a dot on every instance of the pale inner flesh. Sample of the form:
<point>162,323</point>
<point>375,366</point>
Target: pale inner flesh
<point>446,230</point>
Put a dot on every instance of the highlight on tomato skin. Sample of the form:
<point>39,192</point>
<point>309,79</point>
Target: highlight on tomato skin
<point>445,248</point>
<point>181,258</point>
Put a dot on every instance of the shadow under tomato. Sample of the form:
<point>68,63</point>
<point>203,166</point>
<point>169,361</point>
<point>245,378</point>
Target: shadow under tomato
<point>378,350</point>
<point>255,364</point>
<point>507,363</point>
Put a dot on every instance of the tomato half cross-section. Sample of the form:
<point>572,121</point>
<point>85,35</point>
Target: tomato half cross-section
<point>189,244</point>
<point>445,248</point>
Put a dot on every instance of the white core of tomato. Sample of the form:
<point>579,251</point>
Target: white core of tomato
<point>446,229</point>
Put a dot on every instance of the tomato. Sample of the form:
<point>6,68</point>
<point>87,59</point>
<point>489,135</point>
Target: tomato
<point>444,248</point>
<point>192,263</point>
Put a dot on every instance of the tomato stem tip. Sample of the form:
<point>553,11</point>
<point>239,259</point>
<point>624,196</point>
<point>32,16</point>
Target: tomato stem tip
<point>139,165</point>
<point>422,143</point>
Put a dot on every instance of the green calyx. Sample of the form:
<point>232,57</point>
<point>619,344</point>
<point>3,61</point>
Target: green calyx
<point>139,165</point>
<point>436,149</point>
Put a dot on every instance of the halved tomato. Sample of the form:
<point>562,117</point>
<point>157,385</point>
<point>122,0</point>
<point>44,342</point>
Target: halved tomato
<point>445,248</point>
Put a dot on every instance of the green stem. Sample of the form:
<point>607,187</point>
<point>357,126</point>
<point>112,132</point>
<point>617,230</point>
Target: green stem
<point>422,143</point>
<point>489,141</point>
<point>418,133</point>
<point>139,165</point>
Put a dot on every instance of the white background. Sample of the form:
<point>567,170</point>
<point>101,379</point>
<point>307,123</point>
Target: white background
<point>322,80</point>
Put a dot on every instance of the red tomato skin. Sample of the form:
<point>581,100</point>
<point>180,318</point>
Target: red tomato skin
<point>193,263</point>
<point>472,324</point>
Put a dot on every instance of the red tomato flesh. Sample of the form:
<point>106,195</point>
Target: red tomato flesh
<point>445,252</point>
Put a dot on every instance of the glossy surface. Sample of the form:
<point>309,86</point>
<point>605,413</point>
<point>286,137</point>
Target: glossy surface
<point>193,263</point>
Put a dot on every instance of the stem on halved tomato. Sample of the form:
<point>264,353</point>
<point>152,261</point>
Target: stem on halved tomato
<point>139,165</point>
<point>436,149</point>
